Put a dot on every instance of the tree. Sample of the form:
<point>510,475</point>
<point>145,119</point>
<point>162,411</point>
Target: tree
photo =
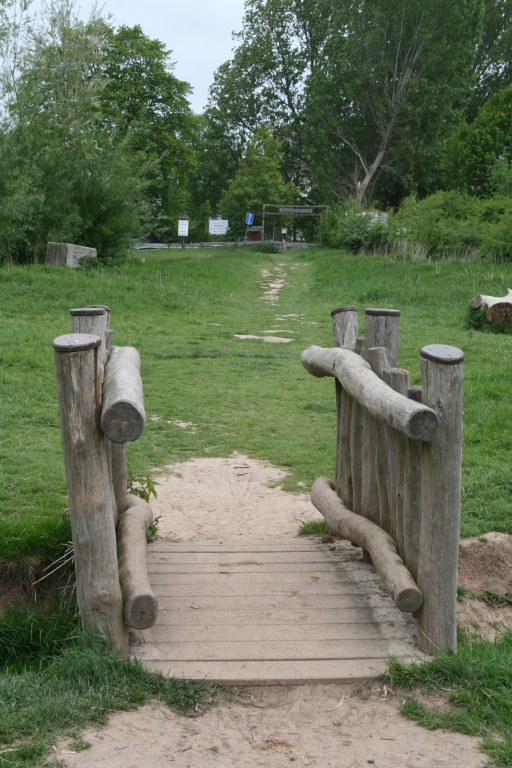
<point>393,80</point>
<point>493,60</point>
<point>69,179</point>
<point>263,85</point>
<point>258,180</point>
<point>473,151</point>
<point>144,104</point>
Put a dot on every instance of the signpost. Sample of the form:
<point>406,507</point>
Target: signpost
<point>249,218</point>
<point>183,230</point>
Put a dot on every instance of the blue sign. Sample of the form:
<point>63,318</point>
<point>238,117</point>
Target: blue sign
<point>249,219</point>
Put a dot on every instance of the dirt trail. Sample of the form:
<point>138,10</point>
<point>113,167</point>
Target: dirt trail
<point>329,726</point>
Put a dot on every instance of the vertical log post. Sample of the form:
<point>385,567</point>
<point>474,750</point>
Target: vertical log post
<point>90,498</point>
<point>381,330</point>
<point>344,331</point>
<point>412,496</point>
<point>378,357</point>
<point>441,369</point>
<point>95,320</point>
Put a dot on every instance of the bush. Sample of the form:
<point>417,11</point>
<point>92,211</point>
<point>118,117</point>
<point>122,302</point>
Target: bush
<point>350,227</point>
<point>445,223</point>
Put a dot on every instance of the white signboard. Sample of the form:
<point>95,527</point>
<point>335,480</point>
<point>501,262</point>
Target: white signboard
<point>218,226</point>
<point>183,228</point>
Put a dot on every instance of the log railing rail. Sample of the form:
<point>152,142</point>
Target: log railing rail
<point>101,408</point>
<point>398,465</point>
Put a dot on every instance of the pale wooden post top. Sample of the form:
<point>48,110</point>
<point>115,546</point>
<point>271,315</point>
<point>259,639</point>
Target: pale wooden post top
<point>76,342</point>
<point>442,354</point>
<point>87,311</point>
<point>375,312</point>
<point>342,309</point>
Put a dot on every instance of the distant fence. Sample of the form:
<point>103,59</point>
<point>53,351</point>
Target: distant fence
<point>397,483</point>
<point>101,408</point>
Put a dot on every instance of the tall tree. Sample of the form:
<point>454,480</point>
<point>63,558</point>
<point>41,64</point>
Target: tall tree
<point>474,149</point>
<point>258,180</point>
<point>493,60</point>
<point>145,104</point>
<point>59,163</point>
<point>393,80</point>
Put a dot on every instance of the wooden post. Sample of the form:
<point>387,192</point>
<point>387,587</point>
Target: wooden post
<point>95,320</point>
<point>412,496</point>
<point>344,327</point>
<point>92,320</point>
<point>90,499</point>
<point>381,330</point>
<point>441,369</point>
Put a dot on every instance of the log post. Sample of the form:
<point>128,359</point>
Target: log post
<point>91,320</point>
<point>378,357</point>
<point>381,330</point>
<point>140,604</point>
<point>123,417</point>
<point>344,328</point>
<point>90,499</point>
<point>96,320</point>
<point>441,369</point>
<point>412,496</point>
<point>119,474</point>
<point>379,544</point>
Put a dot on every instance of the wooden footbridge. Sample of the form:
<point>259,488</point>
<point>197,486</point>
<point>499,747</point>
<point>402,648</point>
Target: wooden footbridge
<point>272,612</point>
<point>289,610</point>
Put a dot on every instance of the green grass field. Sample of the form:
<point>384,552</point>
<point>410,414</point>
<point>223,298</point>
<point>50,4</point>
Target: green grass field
<point>182,310</point>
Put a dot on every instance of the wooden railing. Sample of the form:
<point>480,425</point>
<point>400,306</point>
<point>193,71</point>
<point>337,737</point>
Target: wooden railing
<point>398,465</point>
<point>101,408</point>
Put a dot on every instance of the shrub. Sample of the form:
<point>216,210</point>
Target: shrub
<point>350,227</point>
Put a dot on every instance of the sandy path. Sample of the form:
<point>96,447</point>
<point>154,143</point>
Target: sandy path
<point>329,726</point>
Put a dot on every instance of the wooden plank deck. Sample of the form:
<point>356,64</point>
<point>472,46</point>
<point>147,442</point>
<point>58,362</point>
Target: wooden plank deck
<point>270,612</point>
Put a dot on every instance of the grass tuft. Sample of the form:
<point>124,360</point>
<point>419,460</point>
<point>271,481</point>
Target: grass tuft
<point>312,528</point>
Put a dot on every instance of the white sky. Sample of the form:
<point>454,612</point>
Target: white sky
<point>198,32</point>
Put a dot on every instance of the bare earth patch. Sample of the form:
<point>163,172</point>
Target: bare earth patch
<point>329,726</point>
<point>485,576</point>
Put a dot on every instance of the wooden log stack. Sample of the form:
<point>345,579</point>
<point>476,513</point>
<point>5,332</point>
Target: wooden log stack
<point>101,408</point>
<point>398,465</point>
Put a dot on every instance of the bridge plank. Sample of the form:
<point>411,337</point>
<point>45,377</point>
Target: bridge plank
<point>269,612</point>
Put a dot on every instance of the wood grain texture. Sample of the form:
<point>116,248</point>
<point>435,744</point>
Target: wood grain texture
<point>269,612</point>
<point>90,497</point>
<point>123,418</point>
<point>357,378</point>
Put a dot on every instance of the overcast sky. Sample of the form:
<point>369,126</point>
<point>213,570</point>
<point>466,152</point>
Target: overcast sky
<point>198,32</point>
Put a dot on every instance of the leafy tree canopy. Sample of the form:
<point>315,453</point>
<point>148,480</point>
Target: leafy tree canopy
<point>258,180</point>
<point>473,150</point>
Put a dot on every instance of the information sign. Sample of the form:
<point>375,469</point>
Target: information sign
<point>218,226</point>
<point>249,219</point>
<point>182,227</point>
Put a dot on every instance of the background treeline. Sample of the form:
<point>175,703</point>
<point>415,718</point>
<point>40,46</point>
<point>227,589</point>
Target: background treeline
<point>321,103</point>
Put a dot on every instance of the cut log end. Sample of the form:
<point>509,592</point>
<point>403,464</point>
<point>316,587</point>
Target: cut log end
<point>142,611</point>
<point>500,314</point>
